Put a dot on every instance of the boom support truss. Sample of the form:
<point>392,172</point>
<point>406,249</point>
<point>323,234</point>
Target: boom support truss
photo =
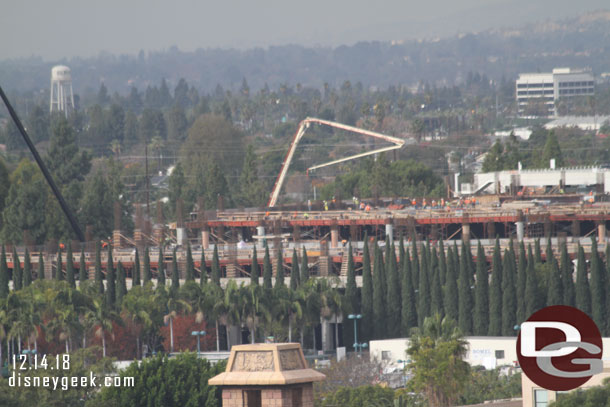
<point>303,126</point>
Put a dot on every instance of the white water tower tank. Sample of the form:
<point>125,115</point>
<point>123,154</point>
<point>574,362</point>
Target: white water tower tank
<point>62,99</point>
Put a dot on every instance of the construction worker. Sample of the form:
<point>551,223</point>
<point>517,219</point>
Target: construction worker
<point>367,208</point>
<point>362,206</point>
<point>325,205</point>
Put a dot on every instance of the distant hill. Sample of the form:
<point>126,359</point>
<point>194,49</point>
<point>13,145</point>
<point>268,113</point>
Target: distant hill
<point>582,41</point>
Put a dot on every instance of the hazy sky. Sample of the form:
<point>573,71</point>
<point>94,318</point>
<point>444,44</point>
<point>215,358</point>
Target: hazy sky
<point>55,29</point>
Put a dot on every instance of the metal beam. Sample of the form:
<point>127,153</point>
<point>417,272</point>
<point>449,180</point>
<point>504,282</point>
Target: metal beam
<point>43,168</point>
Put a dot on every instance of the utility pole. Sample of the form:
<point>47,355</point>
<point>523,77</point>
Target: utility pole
<point>147,179</point>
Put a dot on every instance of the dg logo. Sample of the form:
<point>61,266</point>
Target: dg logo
<point>559,348</point>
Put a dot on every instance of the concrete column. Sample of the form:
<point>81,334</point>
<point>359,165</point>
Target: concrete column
<point>520,230</point>
<point>181,236</point>
<point>327,335</point>
<point>116,239</point>
<point>601,232</point>
<point>205,238</point>
<point>576,228</point>
<point>389,231</point>
<point>466,232</point>
<point>334,236</point>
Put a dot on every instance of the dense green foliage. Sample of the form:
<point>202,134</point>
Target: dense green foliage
<point>160,381</point>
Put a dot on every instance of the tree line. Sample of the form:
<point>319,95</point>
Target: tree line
<point>400,288</point>
<point>71,310</point>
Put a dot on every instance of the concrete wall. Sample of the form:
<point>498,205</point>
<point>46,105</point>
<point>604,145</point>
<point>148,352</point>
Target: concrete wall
<point>481,350</point>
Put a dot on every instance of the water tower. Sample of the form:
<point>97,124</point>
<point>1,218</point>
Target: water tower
<point>62,99</point>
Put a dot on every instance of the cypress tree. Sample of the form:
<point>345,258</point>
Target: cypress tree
<point>401,254</point>
<point>393,298</point>
<point>175,273</point>
<point>279,275</point>
<point>423,300</point>
<point>464,294</point>
<point>509,296</point>
<point>161,268</point>
<point>203,272</point>
<point>294,270</point>
<point>135,278</point>
<point>254,272</point>
<point>367,292</point>
<point>451,287</point>
<point>40,266</point>
<point>521,279</point>
<point>4,277</point>
<point>442,262</point>
<point>110,280</point>
<point>350,301</point>
<point>215,267</point>
<point>17,275</point>
<point>82,266</point>
<point>548,253</point>
<point>267,270</point>
<point>567,278</point>
<point>147,273</point>
<point>481,303</point>
<point>121,283</point>
<point>532,292</point>
<point>415,265</point>
<point>59,274</point>
<point>27,269</point>
<point>190,265</point>
<point>598,288</point>
<point>408,312</point>
<point>70,267</point>
<point>436,291</point>
<point>99,278</point>
<point>554,294</point>
<point>379,311</point>
<point>495,293</point>
<point>583,295</point>
<point>351,305</point>
<point>537,252</point>
<point>304,267</point>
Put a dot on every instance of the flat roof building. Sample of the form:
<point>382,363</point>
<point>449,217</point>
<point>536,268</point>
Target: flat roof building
<point>548,88</point>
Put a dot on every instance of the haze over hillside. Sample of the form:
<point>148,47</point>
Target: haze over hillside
<point>578,41</point>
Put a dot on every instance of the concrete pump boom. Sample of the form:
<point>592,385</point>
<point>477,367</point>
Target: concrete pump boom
<point>303,126</point>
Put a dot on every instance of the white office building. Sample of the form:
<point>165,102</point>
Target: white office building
<point>548,88</point>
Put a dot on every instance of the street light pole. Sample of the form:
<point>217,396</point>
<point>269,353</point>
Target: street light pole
<point>198,334</point>
<point>357,346</point>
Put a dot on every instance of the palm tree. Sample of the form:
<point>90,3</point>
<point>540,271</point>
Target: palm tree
<point>333,307</point>
<point>289,304</point>
<point>234,306</point>
<point>140,307</point>
<point>101,317</point>
<point>255,306</point>
<point>24,316</point>
<point>173,305</point>
<point>313,304</point>
<point>69,305</point>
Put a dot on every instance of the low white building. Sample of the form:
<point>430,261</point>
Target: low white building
<point>487,351</point>
<point>587,123</point>
<point>502,181</point>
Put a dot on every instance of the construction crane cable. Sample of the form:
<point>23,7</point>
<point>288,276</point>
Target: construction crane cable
<point>43,168</point>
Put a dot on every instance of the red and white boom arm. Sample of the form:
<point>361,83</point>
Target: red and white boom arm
<point>397,143</point>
